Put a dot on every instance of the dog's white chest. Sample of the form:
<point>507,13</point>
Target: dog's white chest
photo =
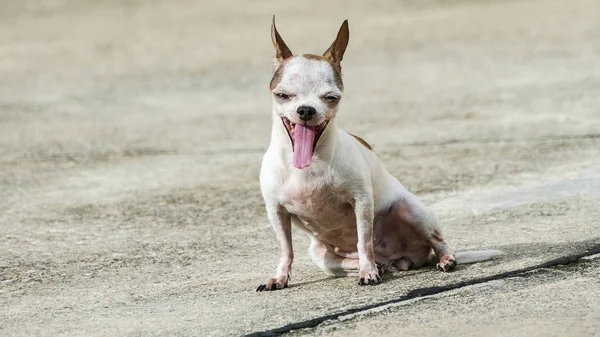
<point>311,201</point>
<point>321,209</point>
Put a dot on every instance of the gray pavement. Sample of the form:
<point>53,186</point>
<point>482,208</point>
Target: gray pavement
<point>131,135</point>
<point>547,302</point>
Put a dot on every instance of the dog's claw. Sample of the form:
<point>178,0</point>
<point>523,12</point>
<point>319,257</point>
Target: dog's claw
<point>264,287</point>
<point>273,284</point>
<point>370,279</point>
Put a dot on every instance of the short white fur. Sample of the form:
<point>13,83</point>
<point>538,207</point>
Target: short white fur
<point>335,200</point>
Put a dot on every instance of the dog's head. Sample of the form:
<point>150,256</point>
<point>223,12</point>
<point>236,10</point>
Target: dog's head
<point>306,91</point>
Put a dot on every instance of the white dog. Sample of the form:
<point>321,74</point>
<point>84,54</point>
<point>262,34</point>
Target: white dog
<point>332,185</point>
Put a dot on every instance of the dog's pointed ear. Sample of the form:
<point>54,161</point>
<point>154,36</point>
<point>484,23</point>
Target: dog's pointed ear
<point>282,52</point>
<point>335,53</point>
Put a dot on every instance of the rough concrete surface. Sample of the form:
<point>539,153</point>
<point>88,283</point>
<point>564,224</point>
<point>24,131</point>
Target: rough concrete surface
<point>549,302</point>
<point>131,134</point>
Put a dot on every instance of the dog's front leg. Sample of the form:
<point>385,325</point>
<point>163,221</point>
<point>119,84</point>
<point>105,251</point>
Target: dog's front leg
<point>367,273</point>
<point>281,221</point>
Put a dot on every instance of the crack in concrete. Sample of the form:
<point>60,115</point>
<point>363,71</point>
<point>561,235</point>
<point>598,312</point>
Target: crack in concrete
<point>311,323</point>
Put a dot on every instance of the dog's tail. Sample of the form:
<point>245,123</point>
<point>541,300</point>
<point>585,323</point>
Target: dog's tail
<point>474,256</point>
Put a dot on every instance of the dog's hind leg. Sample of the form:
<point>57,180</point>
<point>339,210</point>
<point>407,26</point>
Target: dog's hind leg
<point>331,263</point>
<point>412,212</point>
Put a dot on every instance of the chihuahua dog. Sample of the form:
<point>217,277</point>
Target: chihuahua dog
<point>332,185</point>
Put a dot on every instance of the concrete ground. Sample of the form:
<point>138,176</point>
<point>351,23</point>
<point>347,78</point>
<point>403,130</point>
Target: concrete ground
<point>131,134</point>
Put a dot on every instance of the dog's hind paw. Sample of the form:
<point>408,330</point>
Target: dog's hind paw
<point>447,263</point>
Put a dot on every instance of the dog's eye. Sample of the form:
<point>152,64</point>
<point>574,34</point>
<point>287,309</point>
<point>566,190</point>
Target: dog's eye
<point>331,98</point>
<point>281,95</point>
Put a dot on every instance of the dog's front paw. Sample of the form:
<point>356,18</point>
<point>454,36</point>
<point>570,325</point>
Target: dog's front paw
<point>275,283</point>
<point>447,263</point>
<point>369,276</point>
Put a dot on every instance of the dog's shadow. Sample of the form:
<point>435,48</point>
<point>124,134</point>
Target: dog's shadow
<point>511,252</point>
<point>388,275</point>
<point>304,283</point>
<point>392,274</point>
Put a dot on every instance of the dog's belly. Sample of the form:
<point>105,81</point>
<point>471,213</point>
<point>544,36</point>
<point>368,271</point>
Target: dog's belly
<point>330,219</point>
<point>327,217</point>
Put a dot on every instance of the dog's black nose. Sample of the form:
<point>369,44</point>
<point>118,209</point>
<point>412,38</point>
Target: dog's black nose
<point>306,113</point>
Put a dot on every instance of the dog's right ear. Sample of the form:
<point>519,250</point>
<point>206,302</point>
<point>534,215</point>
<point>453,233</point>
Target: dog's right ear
<point>282,52</point>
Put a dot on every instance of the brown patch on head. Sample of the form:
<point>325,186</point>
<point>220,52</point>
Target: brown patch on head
<point>313,57</point>
<point>362,141</point>
<point>337,75</point>
<point>276,77</point>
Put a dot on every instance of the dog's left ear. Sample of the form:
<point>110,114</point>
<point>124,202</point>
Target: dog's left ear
<point>335,53</point>
<point>282,52</point>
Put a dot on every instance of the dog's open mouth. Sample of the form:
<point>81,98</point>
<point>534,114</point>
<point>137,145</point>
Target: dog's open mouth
<point>304,140</point>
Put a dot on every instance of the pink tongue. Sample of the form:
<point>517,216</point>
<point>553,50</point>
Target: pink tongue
<point>304,139</point>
